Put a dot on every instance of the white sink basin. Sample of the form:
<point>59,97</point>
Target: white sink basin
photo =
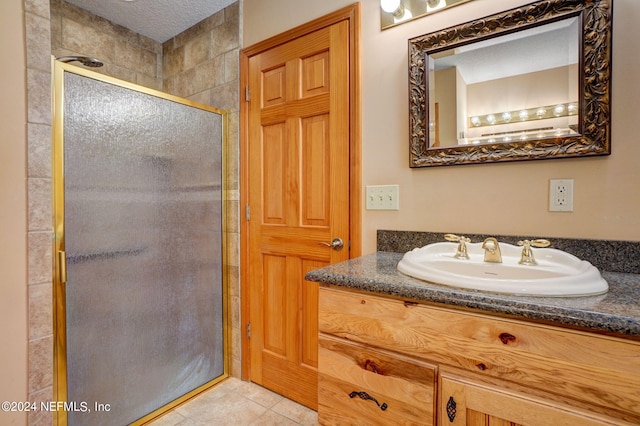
<point>557,273</point>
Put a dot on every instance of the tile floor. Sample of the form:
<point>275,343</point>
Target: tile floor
<point>238,403</point>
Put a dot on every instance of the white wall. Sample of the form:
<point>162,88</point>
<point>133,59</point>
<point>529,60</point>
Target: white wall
<point>506,198</point>
<point>13,212</point>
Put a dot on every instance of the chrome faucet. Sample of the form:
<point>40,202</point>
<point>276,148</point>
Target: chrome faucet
<point>492,250</point>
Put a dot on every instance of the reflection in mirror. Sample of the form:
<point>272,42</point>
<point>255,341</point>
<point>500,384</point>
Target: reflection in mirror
<point>518,86</point>
<point>394,12</point>
<point>529,83</point>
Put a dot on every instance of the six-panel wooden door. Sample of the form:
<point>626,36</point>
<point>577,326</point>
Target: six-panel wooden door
<point>298,131</point>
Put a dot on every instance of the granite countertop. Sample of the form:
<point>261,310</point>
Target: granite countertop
<point>617,311</point>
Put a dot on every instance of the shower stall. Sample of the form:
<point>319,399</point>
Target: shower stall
<point>140,290</point>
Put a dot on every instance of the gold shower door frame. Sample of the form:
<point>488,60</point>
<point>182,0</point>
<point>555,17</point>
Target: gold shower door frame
<point>59,258</point>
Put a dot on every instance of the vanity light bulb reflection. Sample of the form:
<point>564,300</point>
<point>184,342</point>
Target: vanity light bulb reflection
<point>558,110</point>
<point>537,113</point>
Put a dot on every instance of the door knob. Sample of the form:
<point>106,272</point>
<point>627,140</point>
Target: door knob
<point>335,244</point>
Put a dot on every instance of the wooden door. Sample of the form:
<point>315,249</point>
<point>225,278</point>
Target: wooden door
<point>298,193</point>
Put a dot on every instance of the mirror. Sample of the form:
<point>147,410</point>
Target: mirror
<point>529,83</point>
<point>396,12</point>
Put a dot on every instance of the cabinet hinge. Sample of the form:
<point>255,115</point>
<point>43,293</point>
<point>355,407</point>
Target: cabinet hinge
<point>247,94</point>
<point>248,330</point>
<point>247,212</point>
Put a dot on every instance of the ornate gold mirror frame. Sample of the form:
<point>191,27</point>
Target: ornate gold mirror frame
<point>594,125</point>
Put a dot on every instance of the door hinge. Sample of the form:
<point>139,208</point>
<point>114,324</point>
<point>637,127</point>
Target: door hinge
<point>247,212</point>
<point>247,94</point>
<point>248,330</point>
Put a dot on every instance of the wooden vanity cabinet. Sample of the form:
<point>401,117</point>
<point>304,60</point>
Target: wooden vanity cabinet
<point>363,386</point>
<point>465,401</point>
<point>477,369</point>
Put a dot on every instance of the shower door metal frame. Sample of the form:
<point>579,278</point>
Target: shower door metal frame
<point>58,246</point>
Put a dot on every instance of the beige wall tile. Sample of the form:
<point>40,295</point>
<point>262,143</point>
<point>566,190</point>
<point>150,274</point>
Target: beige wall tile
<point>39,96</point>
<point>173,61</point>
<point>37,7</point>
<point>87,40</point>
<point>40,363</point>
<point>147,81</point>
<point>196,51</point>
<point>40,260</point>
<point>40,311</point>
<point>208,74</point>
<point>39,150</point>
<point>41,417</point>
<point>225,96</point>
<point>224,38</point>
<point>232,65</point>
<point>40,209</point>
<point>201,98</point>
<point>38,29</point>
<point>135,58</point>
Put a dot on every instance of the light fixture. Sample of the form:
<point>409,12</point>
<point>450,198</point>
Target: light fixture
<point>524,115</point>
<point>393,7</point>
<point>538,113</point>
<point>572,109</point>
<point>397,9</point>
<point>558,110</point>
<point>394,12</point>
<point>433,5</point>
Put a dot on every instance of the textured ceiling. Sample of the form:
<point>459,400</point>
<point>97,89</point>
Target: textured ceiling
<point>156,19</point>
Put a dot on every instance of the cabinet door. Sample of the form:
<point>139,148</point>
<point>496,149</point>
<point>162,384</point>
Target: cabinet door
<point>467,402</point>
<point>360,386</point>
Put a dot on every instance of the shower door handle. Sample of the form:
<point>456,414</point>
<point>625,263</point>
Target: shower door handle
<point>62,266</point>
<point>335,244</point>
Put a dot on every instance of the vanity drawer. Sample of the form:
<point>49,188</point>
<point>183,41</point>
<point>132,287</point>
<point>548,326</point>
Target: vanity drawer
<point>360,386</point>
<point>597,372</point>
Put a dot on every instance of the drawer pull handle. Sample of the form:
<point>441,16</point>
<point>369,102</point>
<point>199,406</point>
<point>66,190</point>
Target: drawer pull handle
<point>451,409</point>
<point>506,338</point>
<point>366,396</point>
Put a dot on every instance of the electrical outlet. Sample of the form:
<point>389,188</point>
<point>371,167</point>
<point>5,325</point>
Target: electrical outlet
<point>561,195</point>
<point>382,197</point>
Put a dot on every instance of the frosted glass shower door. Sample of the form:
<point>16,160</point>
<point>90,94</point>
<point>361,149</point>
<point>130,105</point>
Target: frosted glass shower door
<point>138,189</point>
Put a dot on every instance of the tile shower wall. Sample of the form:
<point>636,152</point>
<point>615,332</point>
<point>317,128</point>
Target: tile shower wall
<point>40,347</point>
<point>126,55</point>
<point>208,52</point>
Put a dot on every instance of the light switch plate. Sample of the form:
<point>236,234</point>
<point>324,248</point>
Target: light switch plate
<point>382,197</point>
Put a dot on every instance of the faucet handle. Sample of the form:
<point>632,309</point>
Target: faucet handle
<point>527,257</point>
<point>456,238</point>
<point>535,243</point>
<point>461,251</point>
